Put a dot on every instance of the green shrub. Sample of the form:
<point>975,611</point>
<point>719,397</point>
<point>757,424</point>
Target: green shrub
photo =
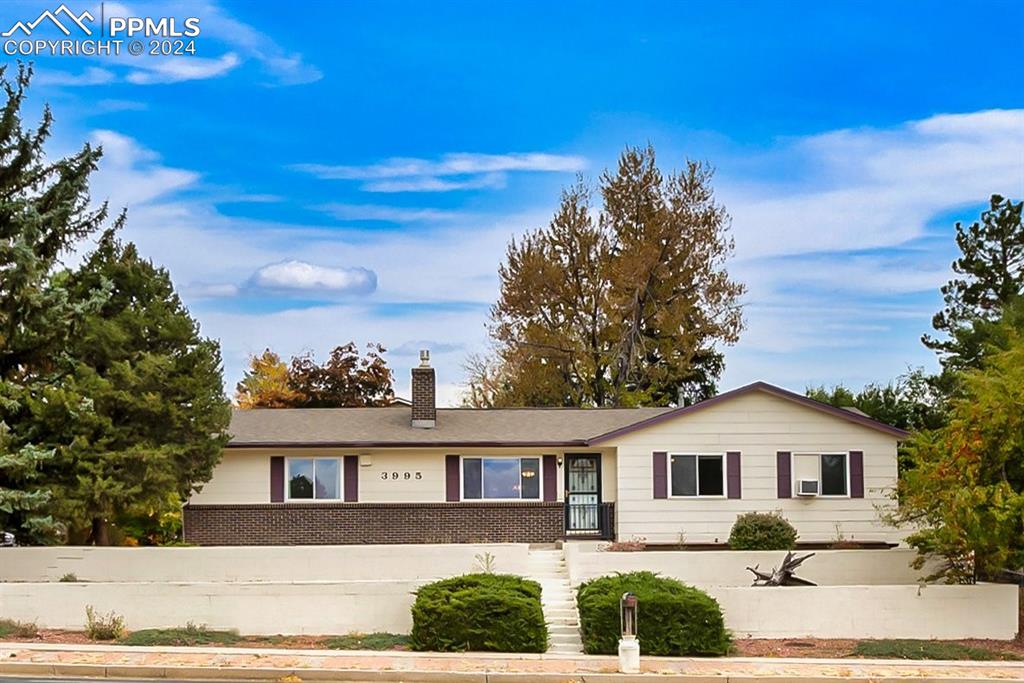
<point>9,628</point>
<point>70,577</point>
<point>367,641</point>
<point>103,627</point>
<point>762,531</point>
<point>479,612</point>
<point>672,618</point>
<point>187,636</point>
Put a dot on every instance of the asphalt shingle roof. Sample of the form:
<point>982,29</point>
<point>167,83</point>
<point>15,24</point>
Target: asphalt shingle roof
<point>393,426</point>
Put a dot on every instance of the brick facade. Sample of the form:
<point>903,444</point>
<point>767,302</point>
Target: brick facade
<point>424,411</point>
<point>353,523</point>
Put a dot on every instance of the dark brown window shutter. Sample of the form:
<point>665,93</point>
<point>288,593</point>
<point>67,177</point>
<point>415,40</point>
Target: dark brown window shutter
<point>550,478</point>
<point>660,474</point>
<point>732,474</point>
<point>856,474</point>
<point>277,479</point>
<point>351,478</point>
<point>451,478</point>
<point>783,470</point>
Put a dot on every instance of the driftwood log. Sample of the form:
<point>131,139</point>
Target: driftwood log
<point>783,575</point>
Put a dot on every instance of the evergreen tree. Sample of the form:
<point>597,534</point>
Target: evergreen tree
<point>990,274</point>
<point>157,418</point>
<point>909,402</point>
<point>43,211</point>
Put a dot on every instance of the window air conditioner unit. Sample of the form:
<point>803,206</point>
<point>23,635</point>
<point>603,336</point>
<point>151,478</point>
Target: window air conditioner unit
<point>807,487</point>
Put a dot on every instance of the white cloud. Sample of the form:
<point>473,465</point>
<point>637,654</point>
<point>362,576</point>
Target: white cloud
<point>870,188</point>
<point>449,164</point>
<point>282,67</point>
<point>390,214</point>
<point>92,75</point>
<point>822,306</point>
<point>156,70</point>
<point>203,290</point>
<point>433,184</point>
<point>297,275</point>
<point>125,164</point>
<point>413,348</point>
<point>450,172</point>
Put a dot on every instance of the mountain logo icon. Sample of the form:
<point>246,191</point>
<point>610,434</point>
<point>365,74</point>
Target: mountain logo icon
<point>73,19</point>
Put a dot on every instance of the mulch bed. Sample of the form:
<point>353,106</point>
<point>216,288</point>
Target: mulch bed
<point>832,649</point>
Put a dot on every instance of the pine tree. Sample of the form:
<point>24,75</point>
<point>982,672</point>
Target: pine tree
<point>157,417</point>
<point>990,273</point>
<point>44,210</point>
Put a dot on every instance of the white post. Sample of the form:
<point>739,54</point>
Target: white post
<point>629,655</point>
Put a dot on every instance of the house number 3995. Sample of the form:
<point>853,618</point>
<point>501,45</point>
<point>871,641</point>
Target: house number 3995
<point>395,476</point>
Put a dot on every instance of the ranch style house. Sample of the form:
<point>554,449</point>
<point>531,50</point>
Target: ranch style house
<point>419,474</point>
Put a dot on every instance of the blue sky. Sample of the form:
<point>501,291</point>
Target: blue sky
<point>320,172</point>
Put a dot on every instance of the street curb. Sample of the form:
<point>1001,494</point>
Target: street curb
<point>200,673</point>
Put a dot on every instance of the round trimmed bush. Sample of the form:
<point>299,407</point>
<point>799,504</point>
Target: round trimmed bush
<point>673,619</point>
<point>479,612</point>
<point>762,531</point>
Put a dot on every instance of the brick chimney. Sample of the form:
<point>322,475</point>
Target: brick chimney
<point>424,411</point>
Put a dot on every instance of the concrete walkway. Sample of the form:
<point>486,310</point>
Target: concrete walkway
<point>113,661</point>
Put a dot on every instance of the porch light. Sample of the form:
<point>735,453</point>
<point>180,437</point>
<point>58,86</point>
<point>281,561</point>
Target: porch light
<point>629,646</point>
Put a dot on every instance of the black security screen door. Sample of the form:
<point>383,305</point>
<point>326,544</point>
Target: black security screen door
<point>582,494</point>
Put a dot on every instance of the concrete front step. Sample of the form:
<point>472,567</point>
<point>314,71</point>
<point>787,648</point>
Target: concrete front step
<point>564,632</point>
<point>566,650</point>
<point>558,598</point>
<point>566,613</point>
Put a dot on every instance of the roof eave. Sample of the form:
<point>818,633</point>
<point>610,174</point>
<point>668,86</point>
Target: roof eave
<point>408,444</point>
<point>779,392</point>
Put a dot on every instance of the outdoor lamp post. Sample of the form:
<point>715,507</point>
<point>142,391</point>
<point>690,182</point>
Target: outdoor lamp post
<point>629,646</point>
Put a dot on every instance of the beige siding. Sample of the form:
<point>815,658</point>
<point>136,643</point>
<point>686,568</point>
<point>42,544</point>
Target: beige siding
<point>386,475</point>
<point>757,425</point>
<point>241,476</point>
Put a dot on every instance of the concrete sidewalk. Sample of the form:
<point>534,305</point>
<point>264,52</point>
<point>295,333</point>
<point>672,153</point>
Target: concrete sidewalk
<point>114,661</point>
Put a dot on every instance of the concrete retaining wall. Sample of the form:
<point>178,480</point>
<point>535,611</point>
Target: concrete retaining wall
<point>983,611</point>
<point>728,567</point>
<point>256,563</point>
<point>951,612</point>
<point>309,607</point>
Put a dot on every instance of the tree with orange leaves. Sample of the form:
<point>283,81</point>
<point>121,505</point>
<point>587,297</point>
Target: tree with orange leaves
<point>965,491</point>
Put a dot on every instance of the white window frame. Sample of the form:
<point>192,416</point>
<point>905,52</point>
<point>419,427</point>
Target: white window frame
<point>725,476</point>
<point>288,479</point>
<point>482,499</point>
<point>821,483</point>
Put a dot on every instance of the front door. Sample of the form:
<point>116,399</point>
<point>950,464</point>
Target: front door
<point>582,494</point>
